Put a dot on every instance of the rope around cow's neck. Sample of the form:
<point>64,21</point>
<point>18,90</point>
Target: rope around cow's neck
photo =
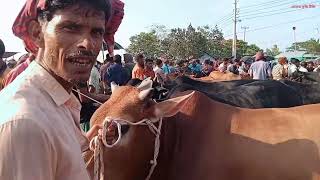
<point>96,144</point>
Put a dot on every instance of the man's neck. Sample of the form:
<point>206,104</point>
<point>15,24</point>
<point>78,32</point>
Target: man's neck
<point>65,84</point>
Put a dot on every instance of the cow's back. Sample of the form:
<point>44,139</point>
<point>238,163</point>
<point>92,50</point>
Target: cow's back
<point>244,93</point>
<point>228,76</point>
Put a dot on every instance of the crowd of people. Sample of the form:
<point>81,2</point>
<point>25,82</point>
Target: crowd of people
<point>114,69</point>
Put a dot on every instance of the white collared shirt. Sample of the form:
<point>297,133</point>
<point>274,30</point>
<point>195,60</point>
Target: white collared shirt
<point>40,136</point>
<point>303,69</point>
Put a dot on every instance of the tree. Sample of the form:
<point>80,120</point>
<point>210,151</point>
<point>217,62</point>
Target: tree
<point>311,46</point>
<point>274,51</point>
<point>214,39</point>
<point>147,43</point>
<point>183,43</point>
<point>161,31</point>
<point>252,49</point>
<point>243,49</point>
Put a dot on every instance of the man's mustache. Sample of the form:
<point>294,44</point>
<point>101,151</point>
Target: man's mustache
<point>82,53</point>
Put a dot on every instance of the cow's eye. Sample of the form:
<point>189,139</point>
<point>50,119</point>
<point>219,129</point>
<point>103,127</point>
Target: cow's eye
<point>124,129</point>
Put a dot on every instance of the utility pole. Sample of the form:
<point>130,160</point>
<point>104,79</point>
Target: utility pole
<point>244,33</point>
<point>234,44</point>
<point>295,38</point>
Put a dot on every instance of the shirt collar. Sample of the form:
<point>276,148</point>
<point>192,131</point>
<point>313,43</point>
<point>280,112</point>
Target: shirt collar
<point>48,83</point>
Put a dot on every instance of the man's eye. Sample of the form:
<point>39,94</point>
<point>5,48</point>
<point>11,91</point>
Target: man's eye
<point>98,33</point>
<point>71,28</point>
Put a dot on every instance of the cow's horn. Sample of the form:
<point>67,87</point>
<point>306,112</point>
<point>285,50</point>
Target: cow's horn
<point>144,94</point>
<point>114,86</point>
<point>145,84</point>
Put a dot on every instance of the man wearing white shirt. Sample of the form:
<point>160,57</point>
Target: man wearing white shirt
<point>159,73</point>
<point>293,67</point>
<point>40,130</point>
<point>303,67</point>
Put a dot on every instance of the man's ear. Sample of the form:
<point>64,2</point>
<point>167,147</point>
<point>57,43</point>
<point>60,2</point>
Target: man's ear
<point>36,34</point>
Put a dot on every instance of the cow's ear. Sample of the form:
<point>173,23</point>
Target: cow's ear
<point>143,95</point>
<point>145,84</point>
<point>114,86</point>
<point>172,106</point>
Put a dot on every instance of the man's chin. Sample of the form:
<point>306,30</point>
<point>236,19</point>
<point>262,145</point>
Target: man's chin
<point>77,81</point>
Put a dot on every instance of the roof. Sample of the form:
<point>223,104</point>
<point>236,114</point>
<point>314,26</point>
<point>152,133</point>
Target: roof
<point>117,46</point>
<point>9,54</point>
<point>294,54</point>
<point>313,56</point>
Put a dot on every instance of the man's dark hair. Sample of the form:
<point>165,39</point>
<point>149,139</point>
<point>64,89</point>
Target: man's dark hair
<point>53,5</point>
<point>198,61</point>
<point>2,48</point>
<point>294,60</point>
<point>303,64</point>
<point>117,59</point>
<point>180,63</point>
<point>139,56</point>
<point>128,58</point>
<point>108,59</point>
<point>149,60</point>
<point>158,62</point>
<point>225,60</point>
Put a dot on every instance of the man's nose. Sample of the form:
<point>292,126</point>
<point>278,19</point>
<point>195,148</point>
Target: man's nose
<point>86,43</point>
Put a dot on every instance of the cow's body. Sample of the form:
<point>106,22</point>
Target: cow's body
<point>306,77</point>
<point>219,76</point>
<point>207,140</point>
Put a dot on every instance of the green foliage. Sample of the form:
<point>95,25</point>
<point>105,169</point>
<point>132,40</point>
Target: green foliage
<point>274,51</point>
<point>183,43</point>
<point>311,46</point>
<point>147,43</point>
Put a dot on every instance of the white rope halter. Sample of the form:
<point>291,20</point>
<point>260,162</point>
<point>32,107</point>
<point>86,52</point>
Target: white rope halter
<point>96,143</point>
<point>80,93</point>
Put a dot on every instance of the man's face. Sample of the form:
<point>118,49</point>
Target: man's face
<point>72,41</point>
<point>310,65</point>
<point>140,61</point>
<point>149,65</point>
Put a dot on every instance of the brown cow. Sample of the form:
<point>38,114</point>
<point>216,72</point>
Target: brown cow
<point>219,76</point>
<point>207,140</point>
<point>228,76</point>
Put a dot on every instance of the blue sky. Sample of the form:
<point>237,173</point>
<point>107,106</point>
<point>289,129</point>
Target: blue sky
<point>140,15</point>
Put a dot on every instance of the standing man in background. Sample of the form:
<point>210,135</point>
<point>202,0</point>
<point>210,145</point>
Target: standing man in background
<point>138,70</point>
<point>260,70</point>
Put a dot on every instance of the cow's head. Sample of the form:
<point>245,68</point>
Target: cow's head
<point>130,158</point>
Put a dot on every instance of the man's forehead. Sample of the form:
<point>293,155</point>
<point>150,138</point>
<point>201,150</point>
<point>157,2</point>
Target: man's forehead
<point>65,16</point>
<point>79,10</point>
